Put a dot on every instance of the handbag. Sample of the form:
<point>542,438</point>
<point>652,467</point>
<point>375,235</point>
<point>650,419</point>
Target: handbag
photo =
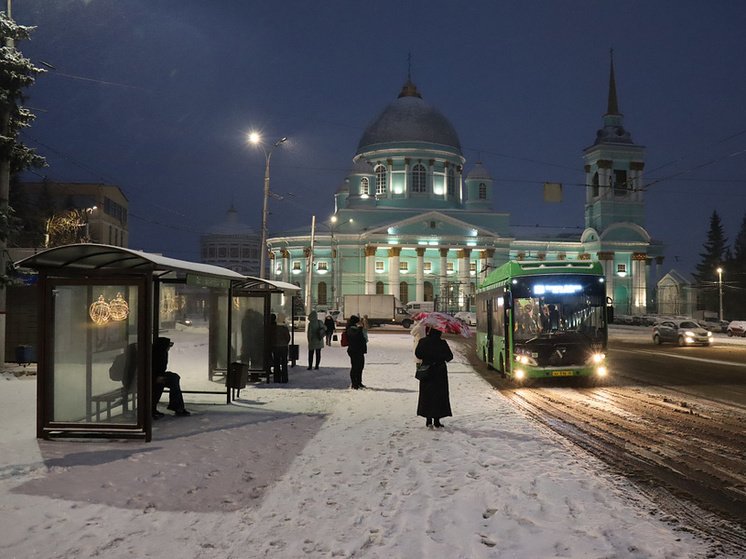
<point>423,372</point>
<point>334,337</point>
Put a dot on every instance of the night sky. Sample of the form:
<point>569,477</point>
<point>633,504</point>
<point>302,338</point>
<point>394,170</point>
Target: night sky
<point>157,97</point>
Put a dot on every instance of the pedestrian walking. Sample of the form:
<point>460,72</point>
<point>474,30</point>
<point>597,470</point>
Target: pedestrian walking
<point>434,401</point>
<point>329,325</point>
<point>357,347</point>
<point>315,334</point>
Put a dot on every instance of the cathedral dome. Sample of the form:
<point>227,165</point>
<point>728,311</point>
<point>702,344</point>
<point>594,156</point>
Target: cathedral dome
<point>409,119</point>
<point>231,226</point>
<point>479,173</point>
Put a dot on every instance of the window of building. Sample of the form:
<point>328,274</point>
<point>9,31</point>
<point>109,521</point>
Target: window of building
<point>449,267</point>
<point>621,269</point>
<point>321,294</point>
<point>245,253</point>
<point>364,186</point>
<point>451,182</point>
<point>322,266</point>
<point>473,266</point>
<point>404,292</point>
<point>222,251</point>
<point>234,252</point>
<point>596,189</point>
<point>620,182</point>
<point>419,178</point>
<point>380,180</point>
<point>482,191</point>
<point>296,265</point>
<point>379,265</point>
<point>427,267</point>
<point>211,252</point>
<point>379,288</point>
<point>403,266</point>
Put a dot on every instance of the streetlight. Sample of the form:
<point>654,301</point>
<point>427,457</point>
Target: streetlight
<point>720,289</point>
<point>256,139</point>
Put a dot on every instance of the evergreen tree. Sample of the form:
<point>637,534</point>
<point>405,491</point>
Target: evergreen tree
<point>16,74</point>
<point>713,257</point>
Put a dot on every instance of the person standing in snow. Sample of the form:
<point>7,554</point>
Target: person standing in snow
<point>357,347</point>
<point>329,325</point>
<point>280,341</point>
<point>434,400</point>
<point>419,330</point>
<point>315,334</point>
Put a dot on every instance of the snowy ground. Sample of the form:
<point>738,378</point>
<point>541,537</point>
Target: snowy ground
<point>313,469</point>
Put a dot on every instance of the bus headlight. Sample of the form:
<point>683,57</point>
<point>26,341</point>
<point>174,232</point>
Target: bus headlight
<point>601,371</point>
<point>525,359</point>
<point>598,357</point>
<point>519,374</point>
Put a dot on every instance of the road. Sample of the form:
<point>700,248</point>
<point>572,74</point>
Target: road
<point>671,419</point>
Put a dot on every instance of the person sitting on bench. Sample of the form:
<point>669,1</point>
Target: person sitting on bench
<point>166,379</point>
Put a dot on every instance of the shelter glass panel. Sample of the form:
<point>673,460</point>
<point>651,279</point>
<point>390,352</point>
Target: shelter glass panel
<point>94,354</point>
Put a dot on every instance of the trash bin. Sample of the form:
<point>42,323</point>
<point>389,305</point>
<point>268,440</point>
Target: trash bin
<point>238,375</point>
<point>293,351</point>
<point>24,354</point>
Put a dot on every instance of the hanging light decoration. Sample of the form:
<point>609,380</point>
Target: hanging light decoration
<point>100,312</point>
<point>119,308</point>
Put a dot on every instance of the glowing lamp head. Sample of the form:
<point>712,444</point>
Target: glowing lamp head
<point>255,138</point>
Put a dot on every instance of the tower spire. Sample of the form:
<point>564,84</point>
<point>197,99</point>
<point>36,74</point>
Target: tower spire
<point>613,107</point>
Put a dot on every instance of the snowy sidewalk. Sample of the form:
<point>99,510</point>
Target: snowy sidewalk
<point>313,469</point>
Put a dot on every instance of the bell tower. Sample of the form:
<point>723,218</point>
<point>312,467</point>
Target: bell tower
<point>613,169</point>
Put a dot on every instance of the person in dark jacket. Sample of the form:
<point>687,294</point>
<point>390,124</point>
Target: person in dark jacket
<point>357,347</point>
<point>434,401</point>
<point>166,379</point>
<point>329,325</point>
<point>280,340</point>
<point>315,334</point>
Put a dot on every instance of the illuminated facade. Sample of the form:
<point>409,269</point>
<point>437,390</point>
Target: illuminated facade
<point>233,245</point>
<point>410,221</point>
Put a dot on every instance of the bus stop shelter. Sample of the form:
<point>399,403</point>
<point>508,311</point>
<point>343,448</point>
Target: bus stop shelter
<point>101,308</point>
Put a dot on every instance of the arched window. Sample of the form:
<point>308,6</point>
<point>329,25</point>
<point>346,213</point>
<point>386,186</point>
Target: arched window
<point>419,178</point>
<point>429,291</point>
<point>364,186</point>
<point>321,298</point>
<point>379,288</point>
<point>595,185</point>
<point>404,292</point>
<point>451,182</point>
<point>380,180</point>
<point>482,191</point>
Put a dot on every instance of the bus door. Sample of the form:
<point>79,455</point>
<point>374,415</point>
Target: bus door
<point>490,339</point>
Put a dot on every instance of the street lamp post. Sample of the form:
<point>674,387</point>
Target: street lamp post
<point>255,139</point>
<point>720,290</point>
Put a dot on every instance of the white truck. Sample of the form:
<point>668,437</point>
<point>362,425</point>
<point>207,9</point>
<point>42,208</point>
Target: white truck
<point>380,309</point>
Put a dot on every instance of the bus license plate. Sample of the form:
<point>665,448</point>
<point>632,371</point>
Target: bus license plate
<point>562,373</point>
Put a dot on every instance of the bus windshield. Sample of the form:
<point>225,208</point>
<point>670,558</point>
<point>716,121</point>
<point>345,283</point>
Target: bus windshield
<point>549,305</point>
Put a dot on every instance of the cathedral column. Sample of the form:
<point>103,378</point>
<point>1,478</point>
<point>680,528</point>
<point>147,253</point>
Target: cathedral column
<point>486,265</point>
<point>639,282</point>
<point>389,178</point>
<point>370,270</point>
<point>588,185</point>
<point>420,278</point>
<point>464,277</point>
<point>431,177</point>
<point>443,299</point>
<point>285,265</point>
<point>394,289</point>
<point>607,263</point>
<point>606,185</point>
<point>460,179</point>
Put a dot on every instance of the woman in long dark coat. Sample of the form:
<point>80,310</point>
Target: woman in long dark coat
<point>434,401</point>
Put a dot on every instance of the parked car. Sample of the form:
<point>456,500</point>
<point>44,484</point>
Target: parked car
<point>737,328</point>
<point>299,323</point>
<point>713,325</point>
<point>469,318</point>
<point>682,332</point>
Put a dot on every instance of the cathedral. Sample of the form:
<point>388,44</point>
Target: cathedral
<point>413,219</point>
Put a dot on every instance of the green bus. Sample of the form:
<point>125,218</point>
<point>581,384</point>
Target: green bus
<point>544,319</point>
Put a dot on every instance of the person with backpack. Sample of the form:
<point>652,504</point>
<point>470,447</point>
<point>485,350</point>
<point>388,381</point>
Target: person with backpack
<point>315,334</point>
<point>357,346</point>
<point>329,324</point>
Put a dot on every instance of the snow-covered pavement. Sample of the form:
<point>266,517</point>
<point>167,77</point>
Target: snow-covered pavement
<point>313,469</point>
